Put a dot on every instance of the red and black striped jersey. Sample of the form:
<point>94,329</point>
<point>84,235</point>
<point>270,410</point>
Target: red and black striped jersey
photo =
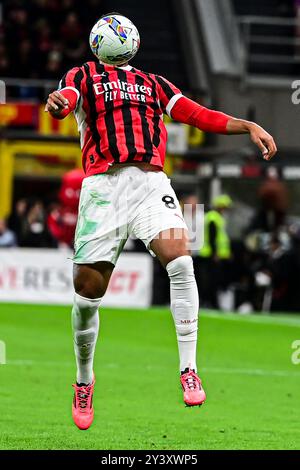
<point>119,111</point>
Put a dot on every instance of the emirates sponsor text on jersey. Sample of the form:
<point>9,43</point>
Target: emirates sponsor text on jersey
<point>119,89</point>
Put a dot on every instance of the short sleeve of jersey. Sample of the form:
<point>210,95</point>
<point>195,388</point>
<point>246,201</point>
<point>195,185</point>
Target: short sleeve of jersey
<point>169,94</point>
<point>72,80</point>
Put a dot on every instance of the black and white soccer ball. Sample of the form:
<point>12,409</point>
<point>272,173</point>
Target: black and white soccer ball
<point>114,39</point>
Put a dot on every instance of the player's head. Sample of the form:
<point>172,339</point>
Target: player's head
<point>114,39</point>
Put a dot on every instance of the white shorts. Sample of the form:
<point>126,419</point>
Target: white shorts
<point>121,203</point>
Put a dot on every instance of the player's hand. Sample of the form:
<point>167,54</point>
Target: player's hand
<point>56,103</point>
<point>263,140</point>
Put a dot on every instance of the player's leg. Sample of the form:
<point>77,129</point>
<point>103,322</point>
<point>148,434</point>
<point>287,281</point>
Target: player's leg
<point>101,233</point>
<point>90,283</point>
<point>97,244</point>
<point>171,248</point>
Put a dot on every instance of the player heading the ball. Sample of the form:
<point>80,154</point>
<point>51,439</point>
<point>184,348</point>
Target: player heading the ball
<point>123,138</point>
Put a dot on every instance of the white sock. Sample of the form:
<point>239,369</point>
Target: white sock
<point>85,321</point>
<point>185,309</point>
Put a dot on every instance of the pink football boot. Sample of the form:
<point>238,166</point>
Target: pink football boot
<point>82,408</point>
<point>193,393</point>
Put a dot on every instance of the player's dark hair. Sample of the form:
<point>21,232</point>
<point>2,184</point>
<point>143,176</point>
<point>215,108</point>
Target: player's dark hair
<point>110,14</point>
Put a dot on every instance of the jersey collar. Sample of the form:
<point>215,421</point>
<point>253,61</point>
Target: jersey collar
<point>126,67</point>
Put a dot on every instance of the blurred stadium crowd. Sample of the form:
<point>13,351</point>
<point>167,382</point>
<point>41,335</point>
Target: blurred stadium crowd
<point>55,26</point>
<point>52,24</point>
<point>262,270</point>
<point>260,273</point>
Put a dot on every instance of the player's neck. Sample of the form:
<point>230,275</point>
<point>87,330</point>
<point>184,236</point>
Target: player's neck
<point>119,66</point>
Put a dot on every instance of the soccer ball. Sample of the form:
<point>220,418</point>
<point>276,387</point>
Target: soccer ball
<point>114,39</point>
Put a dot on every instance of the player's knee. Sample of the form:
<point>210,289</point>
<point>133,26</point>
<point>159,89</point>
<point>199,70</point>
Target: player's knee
<point>181,269</point>
<point>173,253</point>
<point>88,289</point>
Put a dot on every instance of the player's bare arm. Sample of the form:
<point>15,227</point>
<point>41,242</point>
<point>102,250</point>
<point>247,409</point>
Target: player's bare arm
<point>192,113</point>
<point>259,136</point>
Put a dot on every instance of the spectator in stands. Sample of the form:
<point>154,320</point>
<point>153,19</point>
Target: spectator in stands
<point>24,67</point>
<point>283,267</point>
<point>48,34</point>
<point>63,218</point>
<point>71,28</point>
<point>16,218</point>
<point>215,254</point>
<point>7,237</point>
<point>53,65</point>
<point>4,61</point>
<point>17,31</point>
<point>274,203</point>
<point>297,11</point>
<point>294,269</point>
<point>74,49</point>
<point>34,231</point>
<point>43,37</point>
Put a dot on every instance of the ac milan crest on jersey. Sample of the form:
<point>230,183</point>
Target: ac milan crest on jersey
<point>119,113</point>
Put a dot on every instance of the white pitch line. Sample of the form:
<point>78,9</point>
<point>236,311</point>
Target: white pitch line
<point>259,319</point>
<point>260,372</point>
<point>213,370</point>
<point>29,362</point>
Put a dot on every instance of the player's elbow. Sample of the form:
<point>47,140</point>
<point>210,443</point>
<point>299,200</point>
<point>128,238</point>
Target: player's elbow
<point>60,115</point>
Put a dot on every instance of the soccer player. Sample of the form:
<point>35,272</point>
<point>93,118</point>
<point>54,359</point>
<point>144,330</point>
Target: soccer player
<point>119,112</point>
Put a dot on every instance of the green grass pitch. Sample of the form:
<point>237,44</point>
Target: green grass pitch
<point>245,363</point>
